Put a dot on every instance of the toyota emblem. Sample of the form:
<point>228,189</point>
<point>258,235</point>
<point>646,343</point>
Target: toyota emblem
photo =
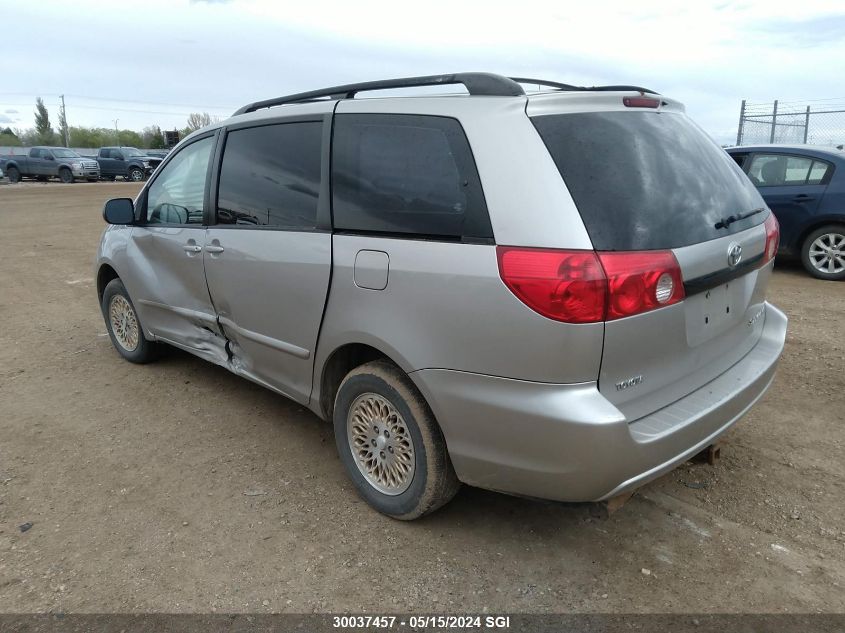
<point>734,254</point>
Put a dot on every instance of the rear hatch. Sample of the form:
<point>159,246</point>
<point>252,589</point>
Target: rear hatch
<point>647,179</point>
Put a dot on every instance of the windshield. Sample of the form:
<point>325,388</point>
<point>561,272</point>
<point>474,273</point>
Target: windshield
<point>65,153</point>
<point>648,180</point>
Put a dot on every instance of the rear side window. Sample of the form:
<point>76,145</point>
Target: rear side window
<point>406,174</point>
<point>270,176</point>
<point>819,173</point>
<point>647,180</point>
<point>777,170</point>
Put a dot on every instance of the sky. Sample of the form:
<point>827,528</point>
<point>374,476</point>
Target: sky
<point>154,62</point>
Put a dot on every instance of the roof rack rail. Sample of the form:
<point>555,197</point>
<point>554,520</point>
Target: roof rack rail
<point>487,84</point>
<point>560,86</point>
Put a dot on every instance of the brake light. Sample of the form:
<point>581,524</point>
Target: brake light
<point>641,281</point>
<point>588,287</point>
<point>772,238</point>
<point>640,102</point>
<point>567,286</point>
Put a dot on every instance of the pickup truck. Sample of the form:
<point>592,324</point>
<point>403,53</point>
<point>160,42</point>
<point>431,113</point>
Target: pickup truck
<point>42,163</point>
<point>128,162</point>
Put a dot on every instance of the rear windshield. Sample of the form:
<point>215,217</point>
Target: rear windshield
<point>648,180</point>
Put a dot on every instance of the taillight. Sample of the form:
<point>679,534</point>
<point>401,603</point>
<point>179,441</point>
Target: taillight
<point>772,238</point>
<point>588,287</point>
<point>641,281</point>
<point>567,286</point>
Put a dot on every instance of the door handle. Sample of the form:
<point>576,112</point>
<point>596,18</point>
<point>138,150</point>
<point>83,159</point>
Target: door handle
<point>209,248</point>
<point>192,248</point>
<point>803,197</point>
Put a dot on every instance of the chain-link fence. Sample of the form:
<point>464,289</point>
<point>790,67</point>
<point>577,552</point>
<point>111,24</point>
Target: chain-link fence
<point>820,122</point>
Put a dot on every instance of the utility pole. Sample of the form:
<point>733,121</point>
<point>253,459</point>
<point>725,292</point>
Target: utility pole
<point>64,120</point>
<point>116,133</point>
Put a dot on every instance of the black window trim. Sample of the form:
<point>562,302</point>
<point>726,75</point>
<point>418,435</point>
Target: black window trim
<point>831,167</point>
<point>463,239</point>
<point>323,219</point>
<point>141,207</point>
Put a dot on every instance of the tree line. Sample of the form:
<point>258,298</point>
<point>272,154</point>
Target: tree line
<point>43,133</point>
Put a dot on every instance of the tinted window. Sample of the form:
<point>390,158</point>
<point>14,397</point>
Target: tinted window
<point>105,153</point>
<point>177,194</point>
<point>35,153</point>
<point>406,174</point>
<point>774,170</point>
<point>647,180</point>
<point>739,158</point>
<point>271,176</point>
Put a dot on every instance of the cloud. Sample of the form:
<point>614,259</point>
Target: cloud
<point>11,111</point>
<point>807,32</point>
<point>5,119</point>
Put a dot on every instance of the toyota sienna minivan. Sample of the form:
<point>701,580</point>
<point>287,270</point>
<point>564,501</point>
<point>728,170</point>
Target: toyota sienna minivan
<point>558,295</point>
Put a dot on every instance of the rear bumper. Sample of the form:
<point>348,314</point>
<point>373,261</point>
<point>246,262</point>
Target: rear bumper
<point>569,443</point>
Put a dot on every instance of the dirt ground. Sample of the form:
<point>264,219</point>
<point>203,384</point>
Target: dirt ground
<point>178,487</point>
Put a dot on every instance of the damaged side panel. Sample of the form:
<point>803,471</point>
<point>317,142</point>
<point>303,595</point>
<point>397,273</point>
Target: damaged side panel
<point>166,278</point>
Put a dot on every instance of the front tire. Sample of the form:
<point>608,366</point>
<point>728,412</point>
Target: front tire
<point>65,175</point>
<point>135,174</point>
<point>823,252</point>
<point>123,325</point>
<point>390,443</point>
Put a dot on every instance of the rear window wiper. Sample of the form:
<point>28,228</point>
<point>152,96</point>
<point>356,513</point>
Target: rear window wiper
<point>726,222</point>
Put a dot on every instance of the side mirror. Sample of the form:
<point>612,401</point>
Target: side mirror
<point>49,157</point>
<point>117,157</point>
<point>119,211</point>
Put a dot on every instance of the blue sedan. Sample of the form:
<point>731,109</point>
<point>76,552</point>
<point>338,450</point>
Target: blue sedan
<point>805,188</point>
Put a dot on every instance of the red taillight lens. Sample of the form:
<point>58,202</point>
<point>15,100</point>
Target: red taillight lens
<point>567,286</point>
<point>640,102</point>
<point>588,287</point>
<point>772,238</point>
<point>641,281</point>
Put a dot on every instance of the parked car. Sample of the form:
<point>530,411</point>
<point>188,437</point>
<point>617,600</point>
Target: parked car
<point>481,289</point>
<point>43,163</point>
<point>126,162</point>
<point>805,188</point>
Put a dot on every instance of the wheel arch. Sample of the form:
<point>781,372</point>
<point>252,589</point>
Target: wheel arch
<point>816,223</point>
<point>338,364</point>
<point>105,274</point>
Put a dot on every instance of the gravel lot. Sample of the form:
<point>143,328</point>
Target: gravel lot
<point>178,487</point>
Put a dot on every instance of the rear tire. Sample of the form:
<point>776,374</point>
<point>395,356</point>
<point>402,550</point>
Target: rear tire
<point>65,175</point>
<point>13,174</point>
<point>390,443</point>
<point>124,326</point>
<point>823,252</point>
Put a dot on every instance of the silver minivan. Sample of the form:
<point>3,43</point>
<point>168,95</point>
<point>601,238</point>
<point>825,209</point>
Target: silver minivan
<point>558,294</point>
